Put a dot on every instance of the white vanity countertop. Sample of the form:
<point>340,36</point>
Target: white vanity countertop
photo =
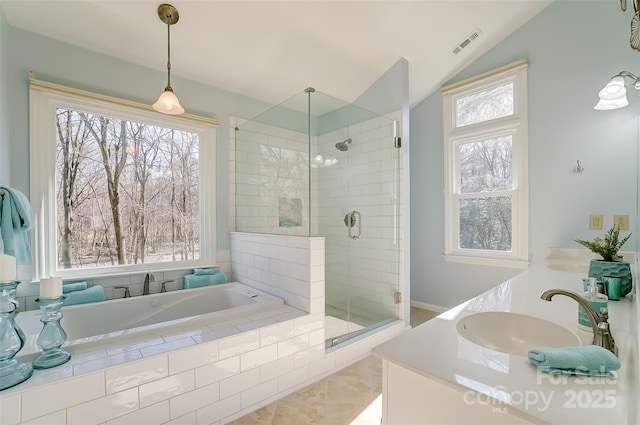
<point>437,351</point>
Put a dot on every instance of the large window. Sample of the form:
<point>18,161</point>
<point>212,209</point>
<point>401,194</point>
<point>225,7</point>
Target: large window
<point>121,188</point>
<point>486,189</point>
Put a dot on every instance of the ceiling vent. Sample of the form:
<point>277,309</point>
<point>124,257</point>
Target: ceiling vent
<point>466,42</point>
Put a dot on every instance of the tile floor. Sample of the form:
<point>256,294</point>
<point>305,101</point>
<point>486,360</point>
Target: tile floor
<point>418,316</point>
<point>351,396</point>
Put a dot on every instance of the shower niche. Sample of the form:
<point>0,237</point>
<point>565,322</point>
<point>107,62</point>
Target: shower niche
<point>290,212</point>
<point>304,165</point>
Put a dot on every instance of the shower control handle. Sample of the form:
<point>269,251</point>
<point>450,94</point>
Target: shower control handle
<point>350,220</point>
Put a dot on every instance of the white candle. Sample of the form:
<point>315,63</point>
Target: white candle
<point>51,287</point>
<point>7,268</point>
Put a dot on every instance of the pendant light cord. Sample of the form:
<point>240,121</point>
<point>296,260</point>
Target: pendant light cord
<point>168,103</point>
<point>168,56</point>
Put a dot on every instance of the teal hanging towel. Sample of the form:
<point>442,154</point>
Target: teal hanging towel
<point>16,219</point>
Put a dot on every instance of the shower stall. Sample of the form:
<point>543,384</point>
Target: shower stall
<point>317,166</point>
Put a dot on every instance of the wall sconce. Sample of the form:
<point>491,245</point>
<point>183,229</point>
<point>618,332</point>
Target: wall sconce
<point>614,94</point>
<point>168,103</point>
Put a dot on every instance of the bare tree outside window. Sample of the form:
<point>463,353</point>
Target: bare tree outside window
<point>126,192</point>
<point>485,168</point>
<point>485,165</point>
<point>485,105</point>
<point>485,223</point>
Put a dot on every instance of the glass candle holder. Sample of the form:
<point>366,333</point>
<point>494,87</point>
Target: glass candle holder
<point>52,335</point>
<point>12,372</point>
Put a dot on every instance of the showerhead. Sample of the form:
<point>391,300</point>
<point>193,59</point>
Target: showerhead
<point>344,145</point>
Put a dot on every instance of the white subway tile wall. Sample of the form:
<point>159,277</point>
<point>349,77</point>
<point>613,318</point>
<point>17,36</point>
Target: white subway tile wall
<point>270,179</point>
<point>366,178</point>
<point>136,373</point>
<point>284,266</point>
<point>104,408</point>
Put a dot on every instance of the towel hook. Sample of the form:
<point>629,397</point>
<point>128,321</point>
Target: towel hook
<point>578,168</point>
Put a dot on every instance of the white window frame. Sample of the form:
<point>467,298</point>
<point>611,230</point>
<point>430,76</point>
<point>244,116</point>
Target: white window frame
<point>44,99</point>
<point>514,125</point>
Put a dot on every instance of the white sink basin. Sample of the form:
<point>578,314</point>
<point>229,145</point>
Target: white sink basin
<point>514,333</point>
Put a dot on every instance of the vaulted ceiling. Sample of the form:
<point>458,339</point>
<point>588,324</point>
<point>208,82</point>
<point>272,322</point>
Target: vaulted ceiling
<point>270,50</point>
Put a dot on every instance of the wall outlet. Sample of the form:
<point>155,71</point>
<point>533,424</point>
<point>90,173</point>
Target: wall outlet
<point>595,221</point>
<point>621,221</point>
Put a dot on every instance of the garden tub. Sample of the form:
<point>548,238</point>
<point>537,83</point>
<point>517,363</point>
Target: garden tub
<point>110,321</point>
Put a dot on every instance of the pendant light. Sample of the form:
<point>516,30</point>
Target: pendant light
<point>168,103</point>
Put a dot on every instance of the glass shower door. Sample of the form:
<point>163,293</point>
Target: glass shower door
<point>317,166</point>
<point>359,195</point>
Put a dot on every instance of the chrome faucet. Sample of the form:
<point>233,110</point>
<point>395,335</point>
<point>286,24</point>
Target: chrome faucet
<point>147,278</point>
<point>601,331</point>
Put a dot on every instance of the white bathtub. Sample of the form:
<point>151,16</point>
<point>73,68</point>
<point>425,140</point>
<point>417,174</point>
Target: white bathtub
<point>122,319</point>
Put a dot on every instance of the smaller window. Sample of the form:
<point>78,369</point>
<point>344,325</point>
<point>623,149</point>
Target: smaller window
<point>485,105</point>
<point>486,194</point>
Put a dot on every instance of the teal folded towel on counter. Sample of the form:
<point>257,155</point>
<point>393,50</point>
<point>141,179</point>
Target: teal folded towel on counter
<point>197,281</point>
<point>589,360</point>
<point>200,272</point>
<point>73,286</point>
<point>92,294</point>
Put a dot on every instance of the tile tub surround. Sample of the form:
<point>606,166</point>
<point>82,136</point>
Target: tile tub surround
<point>210,375</point>
<point>464,366</point>
<point>113,322</point>
<point>208,382</point>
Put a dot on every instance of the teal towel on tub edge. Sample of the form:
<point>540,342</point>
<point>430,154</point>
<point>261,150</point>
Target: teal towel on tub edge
<point>191,281</point>
<point>92,294</point>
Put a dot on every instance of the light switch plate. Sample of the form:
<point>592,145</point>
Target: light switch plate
<point>621,221</point>
<point>595,221</point>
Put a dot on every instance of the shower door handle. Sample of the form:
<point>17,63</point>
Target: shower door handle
<point>352,219</point>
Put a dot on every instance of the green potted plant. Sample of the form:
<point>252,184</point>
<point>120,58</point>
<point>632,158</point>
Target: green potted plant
<point>611,263</point>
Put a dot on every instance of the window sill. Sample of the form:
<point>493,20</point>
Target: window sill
<point>134,269</point>
<point>481,261</point>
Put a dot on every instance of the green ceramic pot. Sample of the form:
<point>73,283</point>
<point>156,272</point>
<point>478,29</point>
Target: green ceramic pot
<point>621,269</point>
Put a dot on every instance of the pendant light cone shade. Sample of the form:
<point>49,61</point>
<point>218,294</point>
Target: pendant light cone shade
<point>168,103</point>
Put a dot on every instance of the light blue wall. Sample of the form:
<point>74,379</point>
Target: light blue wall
<point>65,64</point>
<point>387,94</point>
<point>573,48</point>
<point>4,101</point>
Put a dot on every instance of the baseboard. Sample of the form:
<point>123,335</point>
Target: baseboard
<point>430,307</point>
